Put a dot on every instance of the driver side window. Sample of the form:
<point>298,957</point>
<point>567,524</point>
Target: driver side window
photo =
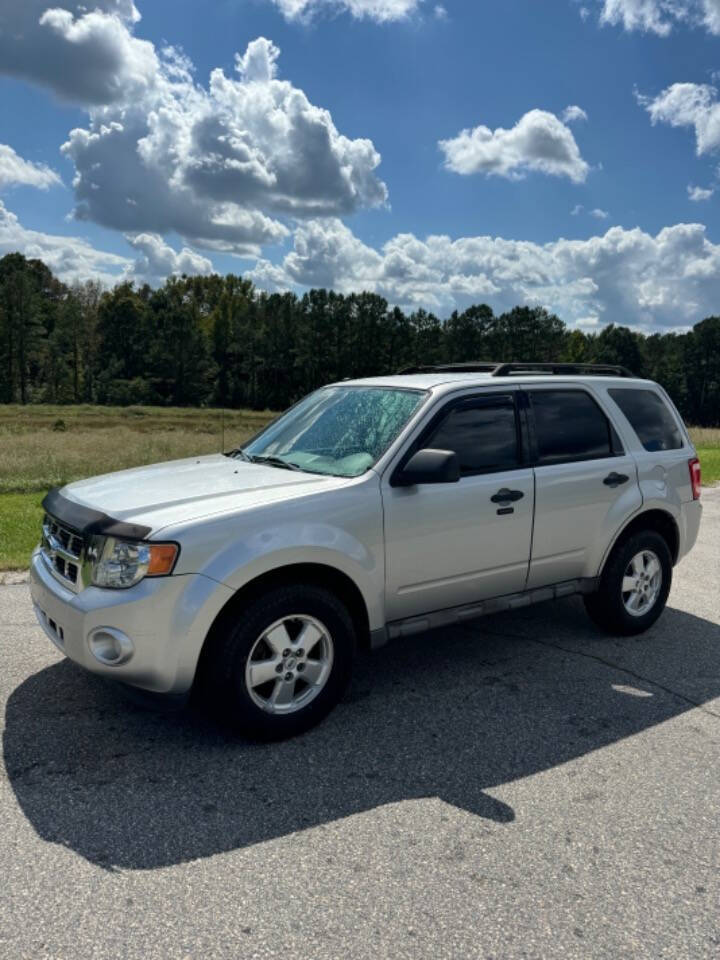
<point>483,434</point>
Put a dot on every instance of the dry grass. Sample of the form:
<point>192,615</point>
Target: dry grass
<point>705,436</point>
<point>45,446</point>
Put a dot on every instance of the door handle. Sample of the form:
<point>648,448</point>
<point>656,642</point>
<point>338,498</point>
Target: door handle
<point>615,479</point>
<point>507,496</point>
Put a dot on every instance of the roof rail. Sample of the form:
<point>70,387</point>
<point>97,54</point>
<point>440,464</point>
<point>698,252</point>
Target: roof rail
<point>563,369</point>
<point>479,366</point>
<point>507,369</point>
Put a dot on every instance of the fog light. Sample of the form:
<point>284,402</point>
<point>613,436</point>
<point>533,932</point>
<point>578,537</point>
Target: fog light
<point>111,647</point>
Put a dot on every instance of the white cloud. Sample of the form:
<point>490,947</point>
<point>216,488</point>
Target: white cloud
<point>539,141</point>
<point>661,16</point>
<point>440,12</point>
<point>269,277</point>
<point>380,10</point>
<point>688,105</point>
<point>73,259</point>
<point>624,276</point>
<point>698,194</point>
<point>70,258</point>
<point>157,260</point>
<point>573,114</point>
<point>215,164</point>
<point>14,171</point>
<point>88,56</point>
<point>577,210</point>
<point>599,214</point>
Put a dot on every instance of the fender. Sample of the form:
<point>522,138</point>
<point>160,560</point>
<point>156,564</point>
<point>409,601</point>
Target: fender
<point>652,506</point>
<point>341,531</point>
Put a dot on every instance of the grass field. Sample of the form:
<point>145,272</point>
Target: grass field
<point>45,446</point>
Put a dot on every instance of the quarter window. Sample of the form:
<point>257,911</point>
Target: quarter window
<point>570,426</point>
<point>650,418</point>
<point>482,434</point>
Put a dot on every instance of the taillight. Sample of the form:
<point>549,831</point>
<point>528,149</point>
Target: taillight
<point>695,477</point>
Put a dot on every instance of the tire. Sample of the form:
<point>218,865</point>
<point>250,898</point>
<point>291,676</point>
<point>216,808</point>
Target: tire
<point>645,559</point>
<point>295,641</point>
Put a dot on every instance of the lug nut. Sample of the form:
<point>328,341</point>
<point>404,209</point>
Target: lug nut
<point>286,652</point>
<point>301,667</point>
<point>279,668</point>
<point>301,652</point>
<point>288,676</point>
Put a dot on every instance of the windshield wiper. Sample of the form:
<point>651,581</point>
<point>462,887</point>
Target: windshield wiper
<point>276,462</point>
<point>239,454</point>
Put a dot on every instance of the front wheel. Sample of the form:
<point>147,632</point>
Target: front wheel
<point>634,586</point>
<point>278,666</point>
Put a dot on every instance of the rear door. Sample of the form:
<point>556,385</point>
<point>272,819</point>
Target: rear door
<point>585,483</point>
<point>450,544</point>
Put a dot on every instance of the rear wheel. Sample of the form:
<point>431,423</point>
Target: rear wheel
<point>634,586</point>
<point>278,666</point>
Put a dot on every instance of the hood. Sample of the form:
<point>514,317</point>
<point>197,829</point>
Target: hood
<point>184,490</point>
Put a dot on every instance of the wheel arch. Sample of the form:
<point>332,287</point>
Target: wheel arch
<point>317,574</point>
<point>661,521</point>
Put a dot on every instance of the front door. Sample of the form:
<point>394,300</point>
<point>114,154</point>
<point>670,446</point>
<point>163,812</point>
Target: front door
<point>450,544</point>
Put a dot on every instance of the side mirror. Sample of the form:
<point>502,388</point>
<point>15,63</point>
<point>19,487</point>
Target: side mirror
<point>430,466</point>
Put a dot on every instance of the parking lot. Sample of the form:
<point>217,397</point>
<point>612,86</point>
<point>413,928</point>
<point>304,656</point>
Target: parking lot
<point>519,787</point>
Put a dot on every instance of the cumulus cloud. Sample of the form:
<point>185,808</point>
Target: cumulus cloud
<point>573,114</point>
<point>599,214</point>
<point>380,10</point>
<point>83,54</point>
<point>688,105</point>
<point>698,194</point>
<point>70,258</point>
<point>157,260</point>
<point>661,16</point>
<point>215,164</point>
<point>625,276</point>
<point>73,259</point>
<point>269,277</point>
<point>539,141</point>
<point>14,171</point>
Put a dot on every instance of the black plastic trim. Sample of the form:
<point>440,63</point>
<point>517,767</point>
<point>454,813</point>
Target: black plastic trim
<point>448,616</point>
<point>91,522</point>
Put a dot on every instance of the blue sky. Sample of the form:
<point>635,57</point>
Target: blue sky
<point>591,215</point>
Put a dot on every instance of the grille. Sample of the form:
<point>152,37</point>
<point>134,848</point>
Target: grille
<point>63,550</point>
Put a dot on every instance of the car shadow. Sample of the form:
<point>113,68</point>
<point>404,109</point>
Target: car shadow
<point>450,714</point>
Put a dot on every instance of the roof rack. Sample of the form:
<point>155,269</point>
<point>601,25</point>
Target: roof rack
<point>563,369</point>
<point>508,369</point>
<point>472,367</point>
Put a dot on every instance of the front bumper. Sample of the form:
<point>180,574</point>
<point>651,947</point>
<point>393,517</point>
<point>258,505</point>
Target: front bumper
<point>165,618</point>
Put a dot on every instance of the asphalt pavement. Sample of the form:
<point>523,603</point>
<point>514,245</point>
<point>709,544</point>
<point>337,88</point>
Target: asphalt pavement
<point>520,787</point>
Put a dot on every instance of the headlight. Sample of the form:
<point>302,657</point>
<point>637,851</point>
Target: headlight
<point>123,563</point>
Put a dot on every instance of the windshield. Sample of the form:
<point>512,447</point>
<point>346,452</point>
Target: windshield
<point>337,430</point>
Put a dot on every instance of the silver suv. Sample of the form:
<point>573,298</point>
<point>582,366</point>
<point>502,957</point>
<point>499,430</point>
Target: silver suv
<point>372,509</point>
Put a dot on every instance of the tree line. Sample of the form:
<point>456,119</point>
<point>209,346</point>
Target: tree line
<point>218,341</point>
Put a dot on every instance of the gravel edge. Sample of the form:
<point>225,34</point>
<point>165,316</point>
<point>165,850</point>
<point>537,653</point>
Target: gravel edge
<point>13,577</point>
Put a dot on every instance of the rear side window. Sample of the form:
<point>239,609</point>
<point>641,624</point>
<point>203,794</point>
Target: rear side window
<point>570,426</point>
<point>483,435</point>
<point>650,418</point>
